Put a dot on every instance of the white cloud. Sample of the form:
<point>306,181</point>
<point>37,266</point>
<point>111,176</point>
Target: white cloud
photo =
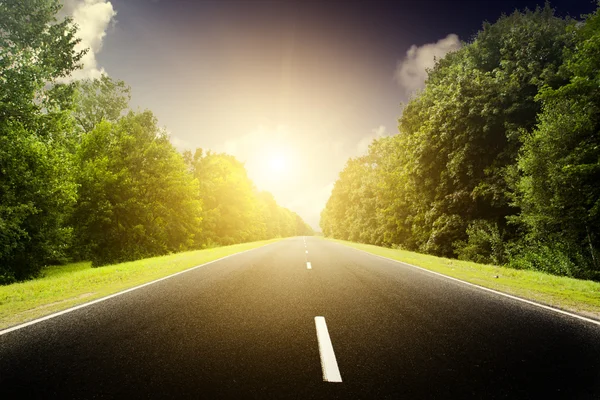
<point>411,72</point>
<point>93,18</point>
<point>363,145</point>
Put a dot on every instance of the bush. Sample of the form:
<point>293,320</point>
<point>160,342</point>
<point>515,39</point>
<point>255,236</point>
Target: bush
<point>36,193</point>
<point>554,257</point>
<point>485,244</point>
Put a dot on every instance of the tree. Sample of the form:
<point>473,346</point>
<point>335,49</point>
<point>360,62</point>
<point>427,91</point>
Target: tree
<point>234,211</point>
<point>36,182</point>
<point>463,130</point>
<point>444,184</point>
<point>302,228</point>
<point>269,210</point>
<point>136,196</point>
<point>231,208</point>
<point>349,213</point>
<point>559,167</point>
<point>36,50</point>
<point>36,194</point>
<point>98,100</point>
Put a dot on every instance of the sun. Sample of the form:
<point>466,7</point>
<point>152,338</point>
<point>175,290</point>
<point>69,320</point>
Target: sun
<point>278,164</point>
<point>274,164</point>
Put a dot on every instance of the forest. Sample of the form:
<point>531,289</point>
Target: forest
<point>84,177</point>
<point>496,160</point>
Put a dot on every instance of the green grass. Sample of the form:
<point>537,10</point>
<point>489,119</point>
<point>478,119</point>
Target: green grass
<point>64,286</point>
<point>580,296</point>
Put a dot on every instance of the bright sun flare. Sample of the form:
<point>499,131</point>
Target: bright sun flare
<point>278,164</point>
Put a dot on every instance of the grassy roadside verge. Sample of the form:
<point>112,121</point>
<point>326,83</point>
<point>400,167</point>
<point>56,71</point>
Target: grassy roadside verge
<point>579,296</point>
<point>65,286</point>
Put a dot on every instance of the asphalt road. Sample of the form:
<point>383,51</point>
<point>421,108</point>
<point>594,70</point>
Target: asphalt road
<point>244,328</point>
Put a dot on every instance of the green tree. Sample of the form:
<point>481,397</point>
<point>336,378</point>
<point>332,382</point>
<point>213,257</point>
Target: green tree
<point>365,203</point>
<point>36,51</point>
<point>36,194</point>
<point>349,211</point>
<point>270,215</point>
<point>101,99</point>
<point>231,208</point>
<point>464,128</point>
<point>136,197</point>
<point>558,179</point>
<point>302,228</point>
<point>444,182</point>
<point>234,211</point>
<point>36,182</point>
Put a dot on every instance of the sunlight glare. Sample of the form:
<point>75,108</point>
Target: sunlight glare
<point>278,164</point>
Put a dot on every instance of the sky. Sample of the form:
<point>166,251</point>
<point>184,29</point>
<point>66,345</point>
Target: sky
<point>291,88</point>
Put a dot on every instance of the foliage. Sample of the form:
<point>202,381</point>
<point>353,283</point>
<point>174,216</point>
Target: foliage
<point>231,209</point>
<point>351,211</point>
<point>558,187</point>
<point>136,198</point>
<point>234,211</point>
<point>98,100</point>
<point>81,180</point>
<point>485,244</point>
<point>36,182</point>
<point>497,158</point>
<point>463,129</point>
<point>35,196</point>
<point>36,51</point>
<point>552,256</point>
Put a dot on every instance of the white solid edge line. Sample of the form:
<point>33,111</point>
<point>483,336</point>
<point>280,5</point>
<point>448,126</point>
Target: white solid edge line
<point>558,310</point>
<point>308,265</point>
<point>331,372</point>
<point>68,310</point>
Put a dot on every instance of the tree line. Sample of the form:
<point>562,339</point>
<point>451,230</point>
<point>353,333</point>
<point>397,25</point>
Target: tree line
<point>497,159</point>
<point>82,177</point>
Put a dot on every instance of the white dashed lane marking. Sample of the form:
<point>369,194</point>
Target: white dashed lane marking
<point>331,372</point>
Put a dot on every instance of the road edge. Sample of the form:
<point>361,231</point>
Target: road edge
<point>131,289</point>
<point>510,296</point>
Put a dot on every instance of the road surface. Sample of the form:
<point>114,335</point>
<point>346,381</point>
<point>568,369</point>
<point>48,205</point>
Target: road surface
<point>262,325</point>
